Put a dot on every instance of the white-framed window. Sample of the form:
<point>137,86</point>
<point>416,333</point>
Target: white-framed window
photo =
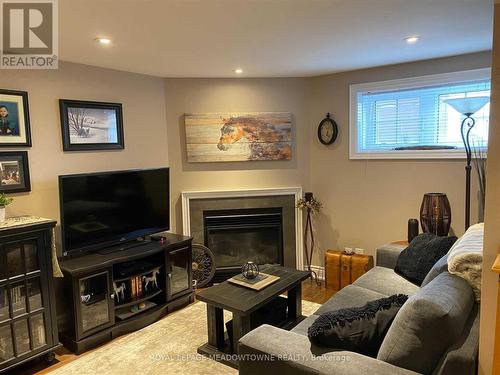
<point>408,118</point>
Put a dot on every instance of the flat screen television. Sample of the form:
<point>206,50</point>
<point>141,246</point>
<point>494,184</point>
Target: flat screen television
<point>101,210</point>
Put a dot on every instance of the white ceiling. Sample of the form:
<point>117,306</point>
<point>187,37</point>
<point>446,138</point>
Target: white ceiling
<point>267,38</point>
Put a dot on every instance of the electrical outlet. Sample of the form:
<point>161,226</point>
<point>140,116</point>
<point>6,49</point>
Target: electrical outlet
<point>359,251</point>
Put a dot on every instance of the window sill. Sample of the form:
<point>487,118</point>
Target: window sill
<point>407,154</point>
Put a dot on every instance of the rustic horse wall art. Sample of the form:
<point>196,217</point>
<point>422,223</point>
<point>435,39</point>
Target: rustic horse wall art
<point>213,137</point>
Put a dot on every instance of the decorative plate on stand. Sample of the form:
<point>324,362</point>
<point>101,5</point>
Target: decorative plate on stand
<point>203,265</point>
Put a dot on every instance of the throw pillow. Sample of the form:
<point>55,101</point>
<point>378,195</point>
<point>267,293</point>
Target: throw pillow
<point>357,329</point>
<point>415,262</point>
<point>428,324</point>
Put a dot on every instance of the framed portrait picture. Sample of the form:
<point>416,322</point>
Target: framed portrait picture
<point>14,119</point>
<point>14,172</point>
<point>91,125</point>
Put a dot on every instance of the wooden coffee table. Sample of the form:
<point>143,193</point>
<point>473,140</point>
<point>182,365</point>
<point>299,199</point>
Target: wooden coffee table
<point>242,302</point>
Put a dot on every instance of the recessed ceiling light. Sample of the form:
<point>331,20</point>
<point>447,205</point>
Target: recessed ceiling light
<point>238,71</point>
<point>103,41</point>
<point>412,39</point>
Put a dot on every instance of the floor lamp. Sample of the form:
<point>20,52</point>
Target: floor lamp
<point>467,107</point>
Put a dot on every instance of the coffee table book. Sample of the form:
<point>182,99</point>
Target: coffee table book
<point>260,282</point>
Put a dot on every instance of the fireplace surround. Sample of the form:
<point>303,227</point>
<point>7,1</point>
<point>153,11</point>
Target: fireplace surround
<point>197,205</point>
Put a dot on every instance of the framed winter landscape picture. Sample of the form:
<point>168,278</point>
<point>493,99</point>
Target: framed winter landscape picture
<point>91,125</point>
<point>222,137</point>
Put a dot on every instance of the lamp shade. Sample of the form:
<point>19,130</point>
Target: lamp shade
<point>468,106</point>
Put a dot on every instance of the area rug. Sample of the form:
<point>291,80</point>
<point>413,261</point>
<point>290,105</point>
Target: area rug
<point>165,347</point>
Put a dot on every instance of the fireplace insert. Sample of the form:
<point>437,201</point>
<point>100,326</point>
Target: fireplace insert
<point>237,236</point>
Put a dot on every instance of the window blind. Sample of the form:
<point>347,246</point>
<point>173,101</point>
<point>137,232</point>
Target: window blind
<point>418,118</point>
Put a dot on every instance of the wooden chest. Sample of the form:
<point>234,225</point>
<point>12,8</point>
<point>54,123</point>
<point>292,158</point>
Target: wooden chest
<point>342,269</point>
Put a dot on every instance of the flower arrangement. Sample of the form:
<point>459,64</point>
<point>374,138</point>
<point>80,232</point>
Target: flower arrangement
<point>311,204</point>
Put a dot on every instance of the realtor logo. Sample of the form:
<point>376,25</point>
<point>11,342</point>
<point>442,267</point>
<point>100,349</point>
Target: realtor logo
<point>29,34</point>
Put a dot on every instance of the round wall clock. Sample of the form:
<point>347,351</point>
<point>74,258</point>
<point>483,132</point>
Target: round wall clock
<point>327,130</point>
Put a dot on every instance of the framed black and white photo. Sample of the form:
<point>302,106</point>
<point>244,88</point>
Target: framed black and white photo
<point>14,172</point>
<point>14,119</point>
<point>91,125</point>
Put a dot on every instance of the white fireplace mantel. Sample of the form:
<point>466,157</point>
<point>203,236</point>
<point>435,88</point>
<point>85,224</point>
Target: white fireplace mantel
<point>187,196</point>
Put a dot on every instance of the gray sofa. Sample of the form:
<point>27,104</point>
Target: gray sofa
<point>407,348</point>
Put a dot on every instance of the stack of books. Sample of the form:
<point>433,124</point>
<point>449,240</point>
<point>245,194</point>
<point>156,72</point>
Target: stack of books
<point>136,288</point>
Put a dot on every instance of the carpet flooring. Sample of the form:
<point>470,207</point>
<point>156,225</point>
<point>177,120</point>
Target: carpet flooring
<point>165,347</point>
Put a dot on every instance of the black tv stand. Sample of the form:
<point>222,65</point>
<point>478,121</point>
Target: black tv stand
<point>107,294</point>
<point>123,246</point>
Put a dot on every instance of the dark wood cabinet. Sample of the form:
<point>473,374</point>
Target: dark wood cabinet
<point>109,294</point>
<point>28,326</point>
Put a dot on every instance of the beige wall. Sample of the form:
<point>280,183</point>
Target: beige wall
<point>368,203</point>
<point>144,127</point>
<point>489,290</point>
<point>235,95</point>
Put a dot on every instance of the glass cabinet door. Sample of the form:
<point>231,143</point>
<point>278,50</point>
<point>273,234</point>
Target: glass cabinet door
<point>6,345</point>
<point>15,266</point>
<point>95,306</point>
<point>38,330</point>
<point>18,298</point>
<point>4,303</point>
<point>22,336</point>
<point>179,275</point>
<point>23,315</point>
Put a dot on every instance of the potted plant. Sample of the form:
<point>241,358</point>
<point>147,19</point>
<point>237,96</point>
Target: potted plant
<point>4,201</point>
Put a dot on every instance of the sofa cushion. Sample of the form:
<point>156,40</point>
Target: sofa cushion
<point>350,296</point>
<point>428,324</point>
<point>461,357</point>
<point>440,266</point>
<point>415,262</point>
<point>304,325</point>
<point>385,281</point>
<point>357,329</point>
<point>387,255</point>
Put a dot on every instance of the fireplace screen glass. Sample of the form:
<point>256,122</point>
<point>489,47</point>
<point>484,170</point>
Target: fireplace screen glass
<point>236,246</point>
